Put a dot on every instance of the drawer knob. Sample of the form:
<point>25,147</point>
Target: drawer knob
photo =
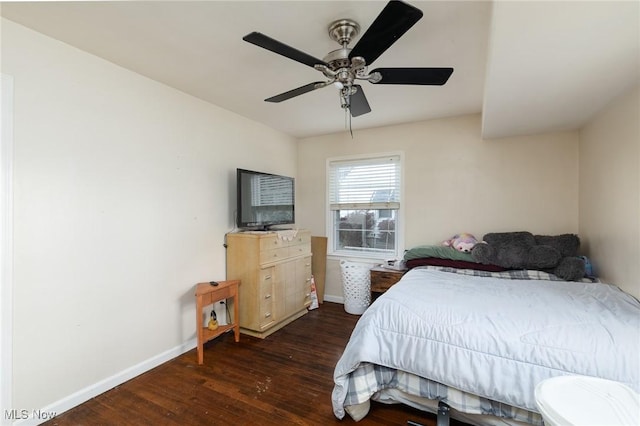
<point>268,277</point>
<point>267,315</point>
<point>267,296</point>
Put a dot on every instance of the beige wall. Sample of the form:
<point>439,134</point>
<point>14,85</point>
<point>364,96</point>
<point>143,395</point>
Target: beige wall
<point>454,181</point>
<point>610,192</point>
<point>123,191</point>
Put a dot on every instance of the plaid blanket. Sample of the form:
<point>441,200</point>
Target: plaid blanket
<point>512,274</point>
<point>368,379</point>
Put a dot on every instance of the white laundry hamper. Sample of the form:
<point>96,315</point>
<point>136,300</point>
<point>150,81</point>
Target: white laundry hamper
<point>586,401</point>
<point>356,286</point>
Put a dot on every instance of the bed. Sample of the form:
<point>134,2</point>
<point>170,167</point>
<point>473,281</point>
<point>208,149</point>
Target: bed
<point>480,341</point>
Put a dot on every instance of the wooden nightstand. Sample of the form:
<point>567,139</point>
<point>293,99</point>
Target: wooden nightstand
<point>382,278</point>
<point>206,294</point>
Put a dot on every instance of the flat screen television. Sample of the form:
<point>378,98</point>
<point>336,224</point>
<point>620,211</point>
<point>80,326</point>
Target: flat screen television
<point>264,200</point>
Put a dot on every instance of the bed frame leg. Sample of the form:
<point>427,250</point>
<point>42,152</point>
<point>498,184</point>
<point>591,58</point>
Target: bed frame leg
<point>441,420</point>
<point>443,414</point>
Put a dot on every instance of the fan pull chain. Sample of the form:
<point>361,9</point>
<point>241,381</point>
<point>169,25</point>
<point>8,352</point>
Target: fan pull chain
<point>346,113</point>
<point>347,120</point>
<point>345,103</point>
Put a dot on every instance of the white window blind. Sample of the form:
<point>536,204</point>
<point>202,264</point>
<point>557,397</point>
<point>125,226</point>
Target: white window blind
<point>271,191</point>
<point>372,183</point>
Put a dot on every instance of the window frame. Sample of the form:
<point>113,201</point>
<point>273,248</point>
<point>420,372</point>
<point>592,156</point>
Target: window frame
<point>399,226</point>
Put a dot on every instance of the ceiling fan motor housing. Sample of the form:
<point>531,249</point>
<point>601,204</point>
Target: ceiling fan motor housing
<point>338,58</point>
<point>343,31</point>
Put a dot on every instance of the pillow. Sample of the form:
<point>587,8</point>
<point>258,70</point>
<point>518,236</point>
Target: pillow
<point>442,252</point>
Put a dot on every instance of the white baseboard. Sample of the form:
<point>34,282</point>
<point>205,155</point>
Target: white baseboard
<point>334,299</point>
<point>37,417</point>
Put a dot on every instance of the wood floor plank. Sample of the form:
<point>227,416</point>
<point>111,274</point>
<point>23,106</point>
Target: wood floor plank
<point>285,379</point>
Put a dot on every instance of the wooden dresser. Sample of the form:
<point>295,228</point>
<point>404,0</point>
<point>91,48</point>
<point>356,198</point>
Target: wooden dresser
<point>276,278</point>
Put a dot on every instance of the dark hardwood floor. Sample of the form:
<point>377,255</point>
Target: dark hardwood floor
<point>284,379</point>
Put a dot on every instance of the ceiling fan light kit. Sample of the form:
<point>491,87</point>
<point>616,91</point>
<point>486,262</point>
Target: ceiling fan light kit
<point>344,66</point>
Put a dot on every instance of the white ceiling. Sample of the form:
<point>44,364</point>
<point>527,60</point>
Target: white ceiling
<point>529,67</point>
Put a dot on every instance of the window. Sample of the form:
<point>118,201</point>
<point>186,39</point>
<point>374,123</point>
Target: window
<point>364,202</point>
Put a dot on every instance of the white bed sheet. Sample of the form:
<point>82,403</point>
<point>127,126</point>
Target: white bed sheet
<point>493,337</point>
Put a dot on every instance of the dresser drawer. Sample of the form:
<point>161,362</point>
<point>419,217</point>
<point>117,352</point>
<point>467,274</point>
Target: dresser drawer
<point>300,250</point>
<point>267,279</point>
<point>301,244</point>
<point>266,308</point>
<point>302,238</point>
<point>274,255</point>
<point>269,242</point>
<point>266,317</point>
<point>303,273</point>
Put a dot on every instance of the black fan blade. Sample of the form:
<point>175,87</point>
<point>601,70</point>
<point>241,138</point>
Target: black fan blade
<point>296,92</point>
<point>394,20</point>
<point>358,102</point>
<point>427,76</point>
<point>275,46</point>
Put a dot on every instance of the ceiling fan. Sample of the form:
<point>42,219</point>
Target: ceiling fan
<point>342,67</point>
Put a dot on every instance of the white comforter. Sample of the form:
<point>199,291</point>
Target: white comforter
<point>496,338</point>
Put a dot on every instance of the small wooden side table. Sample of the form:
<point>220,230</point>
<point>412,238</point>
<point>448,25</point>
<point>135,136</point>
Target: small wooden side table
<point>206,294</point>
<point>382,279</point>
